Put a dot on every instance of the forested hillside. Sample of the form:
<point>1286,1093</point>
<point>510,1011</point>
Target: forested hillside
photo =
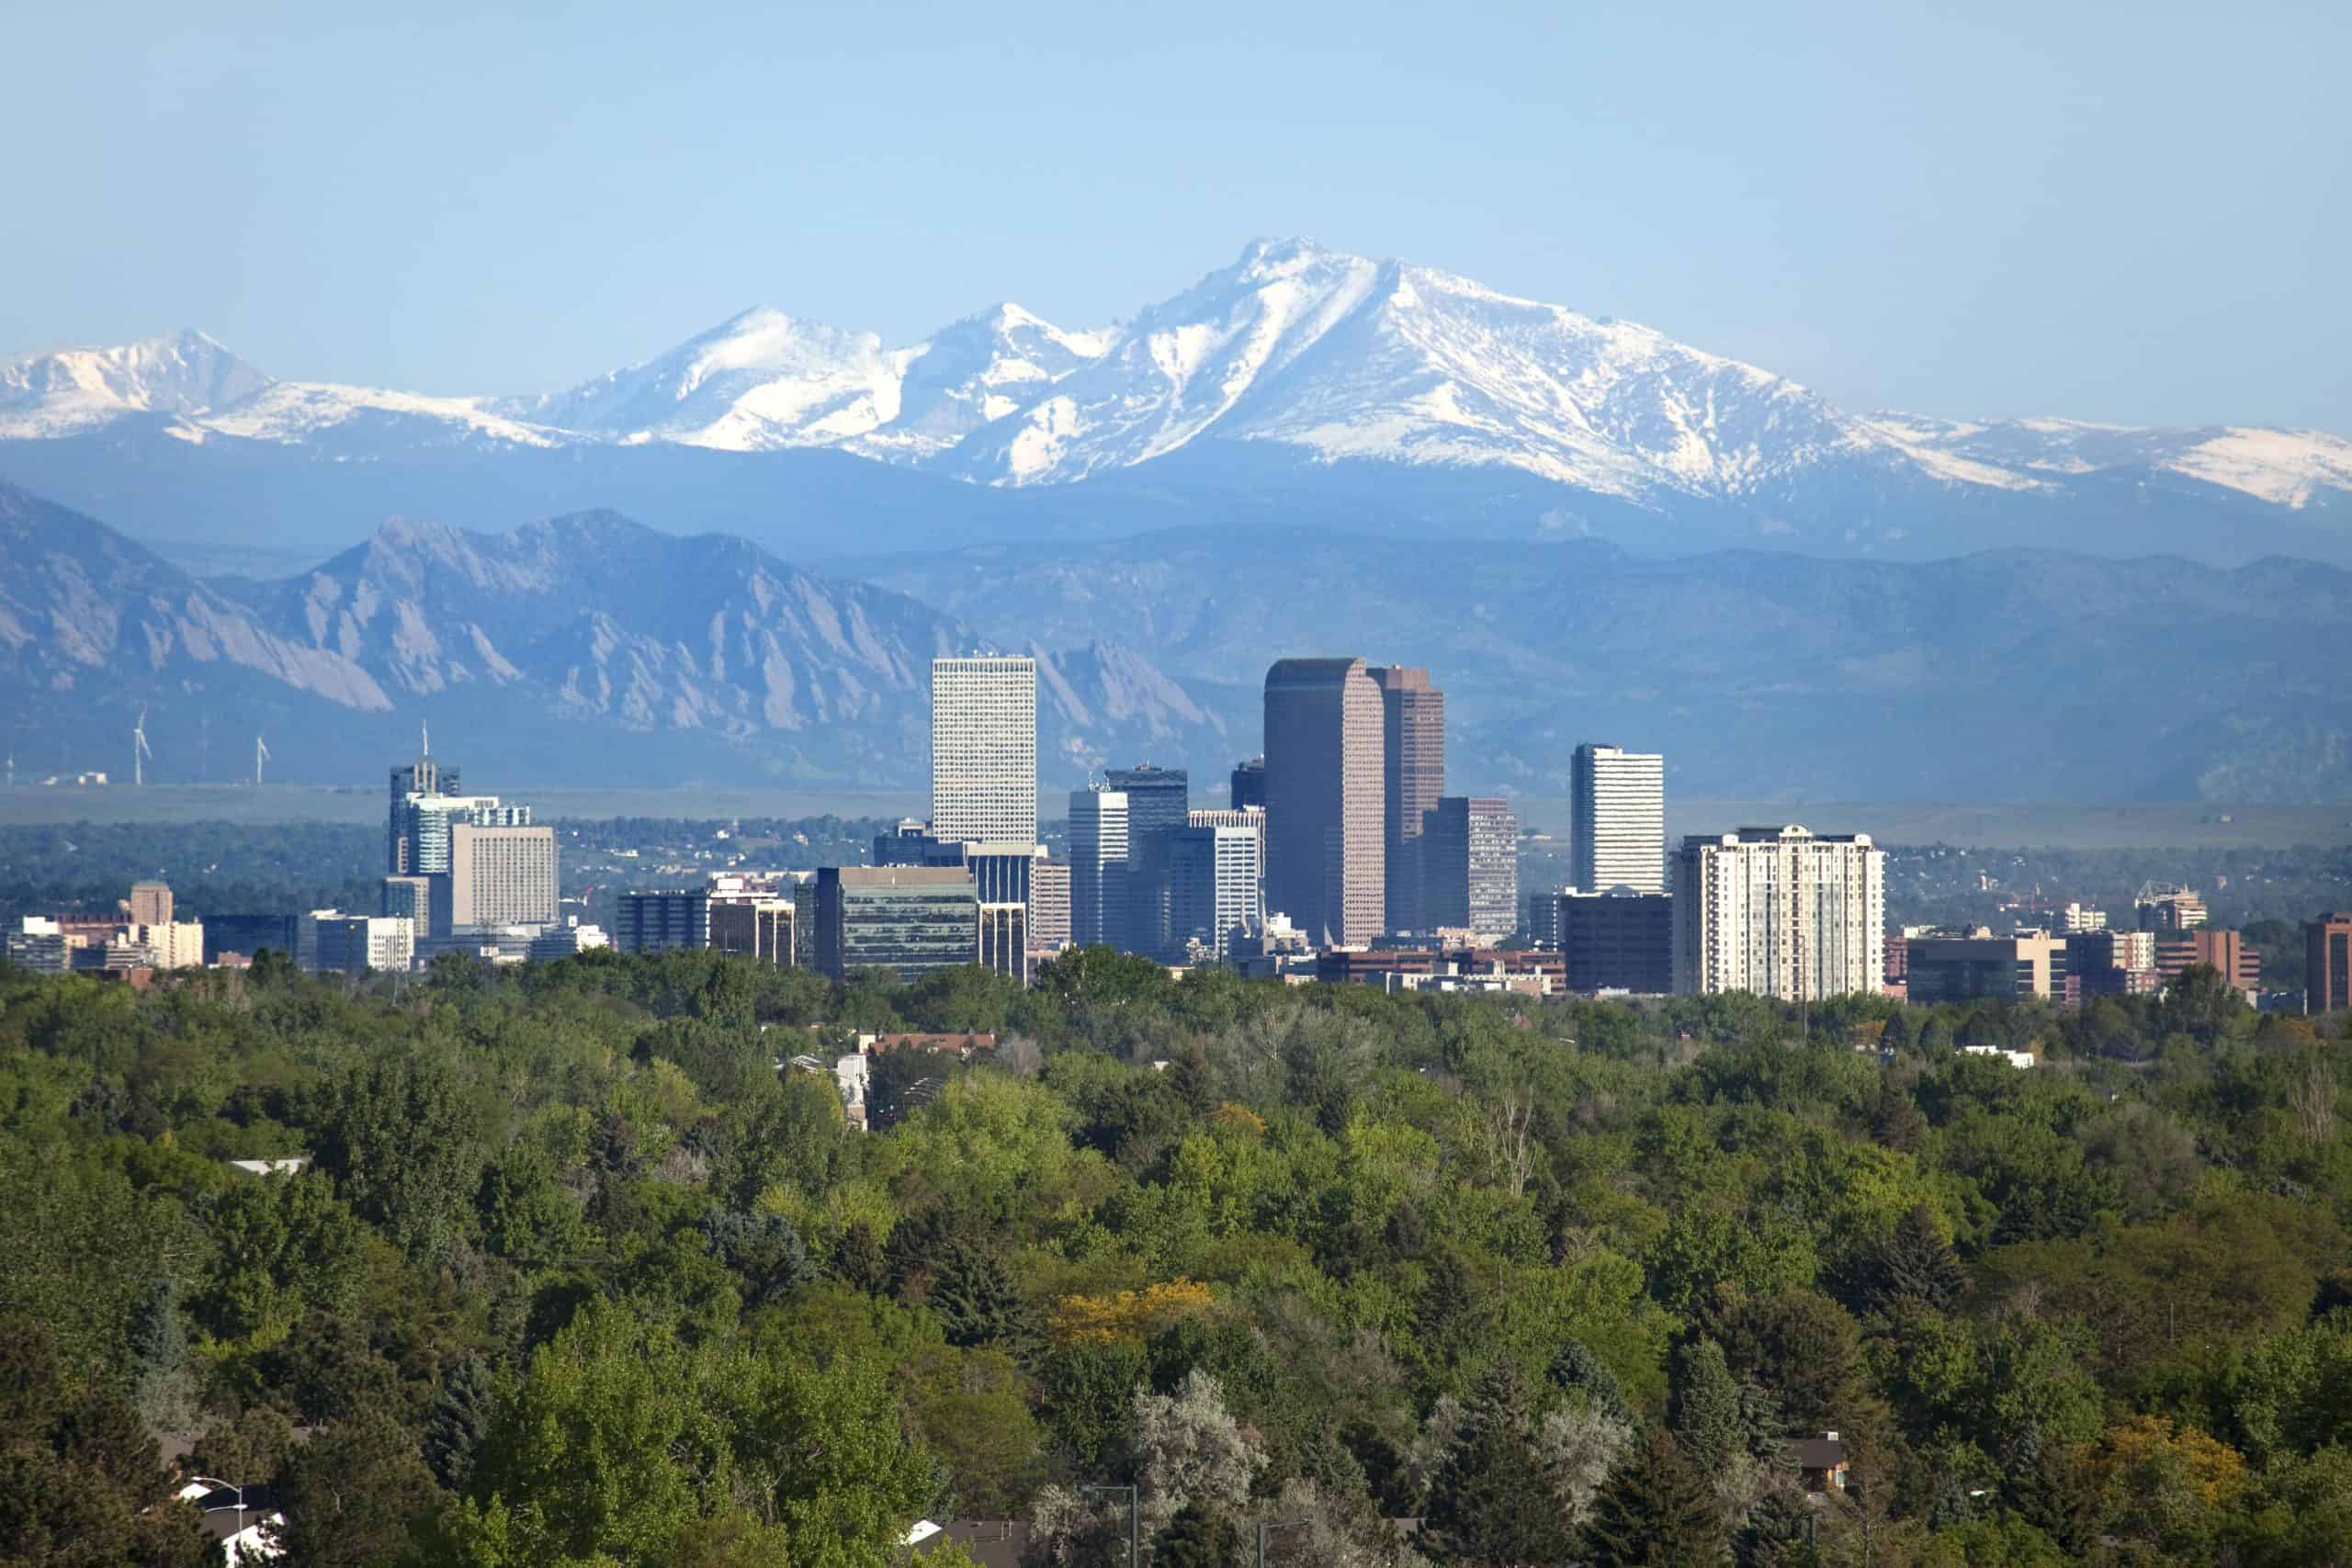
<point>577,1275</point>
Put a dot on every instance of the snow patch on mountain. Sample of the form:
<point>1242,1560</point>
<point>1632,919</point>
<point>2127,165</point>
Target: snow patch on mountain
<point>2292,468</point>
<point>293,412</point>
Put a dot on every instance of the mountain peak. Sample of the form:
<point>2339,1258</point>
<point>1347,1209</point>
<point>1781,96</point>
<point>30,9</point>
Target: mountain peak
<point>62,391</point>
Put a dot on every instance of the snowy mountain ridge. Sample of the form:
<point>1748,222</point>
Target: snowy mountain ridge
<point>1317,356</point>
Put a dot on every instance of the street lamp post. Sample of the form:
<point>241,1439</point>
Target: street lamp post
<point>1134,1541</point>
<point>1269,1528</point>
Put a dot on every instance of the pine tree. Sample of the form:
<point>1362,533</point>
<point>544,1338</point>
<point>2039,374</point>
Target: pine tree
<point>1916,1264</point>
<point>1655,1512</point>
<point>1777,1533</point>
<point>1895,1122</point>
<point>460,1418</point>
<point>1577,1371</point>
<point>1198,1537</point>
<point>1493,1503</point>
<point>859,1261</point>
<point>1705,1412</point>
<point>974,1297</point>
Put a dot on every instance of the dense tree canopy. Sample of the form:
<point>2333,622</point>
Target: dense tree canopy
<point>577,1273</point>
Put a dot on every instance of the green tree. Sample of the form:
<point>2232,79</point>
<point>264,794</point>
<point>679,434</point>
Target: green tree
<point>1492,1502</point>
<point>1198,1537</point>
<point>355,1496</point>
<point>976,1301</point>
<point>1705,1413</point>
<point>1916,1263</point>
<point>396,1134</point>
<point>1653,1513</point>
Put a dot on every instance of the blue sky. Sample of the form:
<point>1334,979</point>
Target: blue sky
<point>2138,213</point>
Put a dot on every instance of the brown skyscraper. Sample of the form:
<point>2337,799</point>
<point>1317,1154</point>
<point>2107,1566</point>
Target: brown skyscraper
<point>2328,959</point>
<point>1325,798</point>
<point>1412,727</point>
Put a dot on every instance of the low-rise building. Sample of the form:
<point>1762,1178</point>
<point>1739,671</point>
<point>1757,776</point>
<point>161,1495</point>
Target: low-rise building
<point>1618,940</point>
<point>1952,967</point>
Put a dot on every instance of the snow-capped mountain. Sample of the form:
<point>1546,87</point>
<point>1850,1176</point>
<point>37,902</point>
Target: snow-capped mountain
<point>1297,371</point>
<point>69,390</point>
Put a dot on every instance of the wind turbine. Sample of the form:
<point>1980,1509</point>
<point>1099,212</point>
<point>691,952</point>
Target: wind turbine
<point>140,751</point>
<point>261,755</point>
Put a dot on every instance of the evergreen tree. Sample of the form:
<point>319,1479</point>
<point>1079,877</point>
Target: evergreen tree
<point>1653,1513</point>
<point>1895,1120</point>
<point>1916,1264</point>
<point>859,1261</point>
<point>1198,1537</point>
<point>1777,1533</point>
<point>1492,1502</point>
<point>763,1249</point>
<point>973,1298</point>
<point>461,1416</point>
<point>1705,1413</point>
<point>1577,1371</point>
<point>162,1387</point>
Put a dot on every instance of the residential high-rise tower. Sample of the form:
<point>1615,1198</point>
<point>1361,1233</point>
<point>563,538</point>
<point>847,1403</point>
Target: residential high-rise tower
<point>1326,799</point>
<point>984,749</point>
<point>1780,912</point>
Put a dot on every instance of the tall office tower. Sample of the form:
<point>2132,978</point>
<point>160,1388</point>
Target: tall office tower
<point>1004,940</point>
<point>1098,868</point>
<point>912,919</point>
<point>1617,835</point>
<point>657,922</point>
<point>755,928</point>
<point>2327,961</point>
<point>984,749</point>
<point>804,920</point>
<point>1782,912</point>
<point>1539,916</point>
<point>1412,734</point>
<point>1049,913</point>
<point>1469,851</point>
<point>1325,801</point>
<point>424,776</point>
<point>1249,783</point>
<point>427,819</point>
<point>1213,885</point>
<point>497,876</point>
<point>151,904</point>
<point>1158,801</point>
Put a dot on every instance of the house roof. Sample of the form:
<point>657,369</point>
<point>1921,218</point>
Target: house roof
<point>991,1543</point>
<point>1818,1453</point>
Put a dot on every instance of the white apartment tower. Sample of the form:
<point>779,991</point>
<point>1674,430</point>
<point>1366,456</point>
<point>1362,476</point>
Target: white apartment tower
<point>1780,912</point>
<point>1098,867</point>
<point>984,749</point>
<point>1618,834</point>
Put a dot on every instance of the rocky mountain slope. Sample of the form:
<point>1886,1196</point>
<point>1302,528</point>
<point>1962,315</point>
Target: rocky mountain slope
<point>584,648</point>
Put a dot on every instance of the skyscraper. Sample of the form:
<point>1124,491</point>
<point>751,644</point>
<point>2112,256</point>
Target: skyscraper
<point>2327,963</point>
<point>1098,868</point>
<point>1049,917</point>
<point>1469,852</point>
<point>1249,783</point>
<point>1213,882</point>
<point>1325,801</point>
<point>1004,940</point>
<point>1412,730</point>
<point>497,876</point>
<point>424,776</point>
<point>1158,801</point>
<point>1780,912</point>
<point>984,749</point>
<point>912,919</point>
<point>1617,835</point>
<point>151,904</point>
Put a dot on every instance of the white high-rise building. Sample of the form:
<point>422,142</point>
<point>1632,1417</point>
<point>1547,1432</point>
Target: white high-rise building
<point>1780,912</point>
<point>1617,838</point>
<point>1216,868</point>
<point>1098,867</point>
<point>984,749</point>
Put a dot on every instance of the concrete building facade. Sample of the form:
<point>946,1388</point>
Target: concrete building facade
<point>1617,828</point>
<point>497,876</point>
<point>1780,912</point>
<point>1214,892</point>
<point>984,749</point>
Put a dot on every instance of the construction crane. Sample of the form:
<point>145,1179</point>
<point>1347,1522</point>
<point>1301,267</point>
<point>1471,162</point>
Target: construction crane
<point>140,751</point>
<point>261,755</point>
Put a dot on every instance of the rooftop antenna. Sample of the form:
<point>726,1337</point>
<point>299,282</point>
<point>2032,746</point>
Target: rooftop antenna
<point>140,751</point>
<point>261,755</point>
<point>424,737</point>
